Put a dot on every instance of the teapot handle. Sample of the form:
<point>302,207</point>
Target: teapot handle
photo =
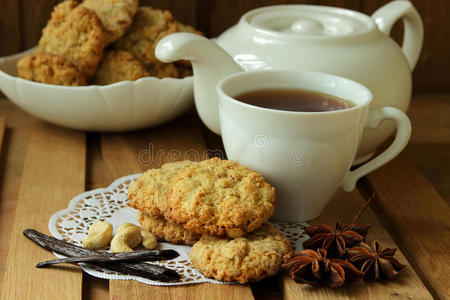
<point>386,16</point>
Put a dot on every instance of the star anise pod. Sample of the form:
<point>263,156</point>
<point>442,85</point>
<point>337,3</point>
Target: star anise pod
<point>335,239</point>
<point>375,262</point>
<point>313,267</point>
<point>338,238</point>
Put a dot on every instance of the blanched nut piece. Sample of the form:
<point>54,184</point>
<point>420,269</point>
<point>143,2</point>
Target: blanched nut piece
<point>149,241</point>
<point>99,235</point>
<point>127,237</point>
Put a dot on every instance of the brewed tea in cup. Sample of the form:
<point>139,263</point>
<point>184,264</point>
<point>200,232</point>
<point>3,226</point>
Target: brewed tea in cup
<point>294,100</point>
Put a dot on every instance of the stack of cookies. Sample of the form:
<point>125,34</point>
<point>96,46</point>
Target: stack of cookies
<point>220,207</point>
<point>102,42</point>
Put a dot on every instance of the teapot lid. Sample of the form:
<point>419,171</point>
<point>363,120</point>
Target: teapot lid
<point>309,20</point>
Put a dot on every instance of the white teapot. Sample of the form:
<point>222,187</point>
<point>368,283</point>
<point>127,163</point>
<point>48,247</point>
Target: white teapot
<point>308,37</point>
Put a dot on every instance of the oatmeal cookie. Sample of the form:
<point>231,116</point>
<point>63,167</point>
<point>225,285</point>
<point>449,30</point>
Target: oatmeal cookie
<point>118,66</point>
<point>148,192</point>
<point>167,231</point>
<point>62,10</point>
<point>116,15</point>
<point>75,33</point>
<point>52,69</point>
<point>220,197</point>
<point>162,70</point>
<point>148,27</point>
<point>253,257</point>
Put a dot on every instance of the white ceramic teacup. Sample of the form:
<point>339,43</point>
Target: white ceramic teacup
<point>305,155</point>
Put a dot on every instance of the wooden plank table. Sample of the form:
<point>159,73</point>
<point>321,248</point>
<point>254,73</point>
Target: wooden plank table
<point>43,166</point>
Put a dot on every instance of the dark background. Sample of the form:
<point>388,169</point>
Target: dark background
<point>21,22</point>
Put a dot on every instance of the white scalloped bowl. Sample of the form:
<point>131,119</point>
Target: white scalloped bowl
<point>122,106</point>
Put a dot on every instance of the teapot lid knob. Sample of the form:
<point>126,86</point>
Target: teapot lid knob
<point>307,26</point>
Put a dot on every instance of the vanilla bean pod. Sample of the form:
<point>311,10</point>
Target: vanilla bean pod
<point>145,270</point>
<point>133,256</point>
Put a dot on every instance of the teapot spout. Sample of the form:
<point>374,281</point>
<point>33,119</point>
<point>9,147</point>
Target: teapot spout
<point>210,64</point>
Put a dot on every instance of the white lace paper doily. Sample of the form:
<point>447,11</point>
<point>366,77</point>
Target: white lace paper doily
<point>110,205</point>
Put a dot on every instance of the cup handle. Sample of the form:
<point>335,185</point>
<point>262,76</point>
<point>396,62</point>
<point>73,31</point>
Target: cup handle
<point>387,15</point>
<point>401,139</point>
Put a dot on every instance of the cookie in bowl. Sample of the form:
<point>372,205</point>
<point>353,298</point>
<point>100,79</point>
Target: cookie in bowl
<point>75,33</point>
<point>148,27</point>
<point>115,15</point>
<point>89,84</point>
<point>108,41</point>
<point>51,69</point>
<point>119,66</point>
<point>163,70</point>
